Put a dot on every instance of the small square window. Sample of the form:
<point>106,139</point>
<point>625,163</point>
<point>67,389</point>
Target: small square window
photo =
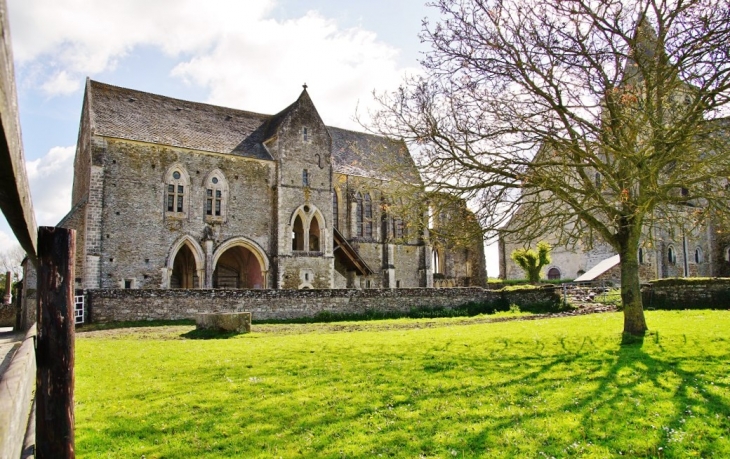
<point>127,283</point>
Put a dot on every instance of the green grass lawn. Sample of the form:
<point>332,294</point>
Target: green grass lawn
<point>563,387</point>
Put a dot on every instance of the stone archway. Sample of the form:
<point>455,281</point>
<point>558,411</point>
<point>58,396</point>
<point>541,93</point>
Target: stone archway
<point>553,274</point>
<point>183,270</point>
<point>239,264</point>
<point>185,265</point>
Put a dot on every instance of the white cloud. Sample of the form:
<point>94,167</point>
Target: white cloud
<point>51,180</point>
<point>245,59</point>
<point>7,238</point>
<point>263,70</point>
<point>61,83</point>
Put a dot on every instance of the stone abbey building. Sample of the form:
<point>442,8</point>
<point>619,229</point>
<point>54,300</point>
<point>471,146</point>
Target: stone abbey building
<point>175,194</point>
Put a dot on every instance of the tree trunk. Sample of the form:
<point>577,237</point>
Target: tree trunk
<point>634,322</point>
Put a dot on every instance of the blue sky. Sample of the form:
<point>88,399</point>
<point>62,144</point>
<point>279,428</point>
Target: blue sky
<point>252,55</point>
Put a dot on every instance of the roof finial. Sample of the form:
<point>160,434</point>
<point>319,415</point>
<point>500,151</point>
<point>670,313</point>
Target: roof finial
<point>304,86</point>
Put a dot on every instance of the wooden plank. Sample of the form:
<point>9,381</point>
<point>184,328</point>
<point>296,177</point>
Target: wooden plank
<point>15,201</point>
<point>17,385</point>
<point>55,344</point>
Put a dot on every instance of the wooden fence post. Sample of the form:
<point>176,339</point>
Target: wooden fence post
<point>55,344</point>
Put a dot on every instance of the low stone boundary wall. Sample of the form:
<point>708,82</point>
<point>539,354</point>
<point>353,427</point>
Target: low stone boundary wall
<point>690,293</point>
<point>116,305</point>
<point>17,390</point>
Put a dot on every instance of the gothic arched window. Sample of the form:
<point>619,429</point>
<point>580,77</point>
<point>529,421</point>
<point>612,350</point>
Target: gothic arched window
<point>297,241</point>
<point>358,214</point>
<point>177,186</point>
<point>335,210</point>
<point>367,217</point>
<point>671,255</point>
<point>314,235</point>
<point>216,196</point>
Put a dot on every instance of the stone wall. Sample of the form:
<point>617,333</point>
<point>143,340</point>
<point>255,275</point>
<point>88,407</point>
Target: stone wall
<point>687,294</point>
<point>114,305</point>
<point>137,236</point>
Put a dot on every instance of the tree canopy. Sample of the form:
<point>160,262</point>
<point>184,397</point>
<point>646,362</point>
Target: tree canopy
<point>596,119</point>
<point>532,260</point>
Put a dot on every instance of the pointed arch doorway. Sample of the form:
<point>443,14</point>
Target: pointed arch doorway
<point>185,264</point>
<point>238,264</point>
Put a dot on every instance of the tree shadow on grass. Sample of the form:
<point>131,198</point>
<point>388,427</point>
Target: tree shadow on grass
<point>657,397</point>
<point>533,398</point>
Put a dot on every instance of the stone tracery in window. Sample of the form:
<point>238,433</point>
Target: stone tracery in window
<point>216,196</point>
<point>367,216</point>
<point>335,209</point>
<point>358,214</point>
<point>308,230</point>
<point>177,191</point>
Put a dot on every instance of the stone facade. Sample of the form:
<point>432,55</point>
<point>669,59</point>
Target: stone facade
<point>668,253</point>
<point>114,305</point>
<point>175,194</point>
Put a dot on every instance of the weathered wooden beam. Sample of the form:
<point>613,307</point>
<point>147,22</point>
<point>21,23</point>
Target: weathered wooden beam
<point>15,201</point>
<point>55,344</point>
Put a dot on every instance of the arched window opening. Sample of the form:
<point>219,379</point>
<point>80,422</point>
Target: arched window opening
<point>216,195</point>
<point>176,191</point>
<point>671,255</point>
<point>438,265</point>
<point>727,253</point>
<point>398,227</point>
<point>580,273</point>
<point>335,210</point>
<point>358,214</point>
<point>314,235</point>
<point>698,255</point>
<point>184,269</point>
<point>553,274</point>
<point>367,216</point>
<point>297,235</point>
<point>641,255</point>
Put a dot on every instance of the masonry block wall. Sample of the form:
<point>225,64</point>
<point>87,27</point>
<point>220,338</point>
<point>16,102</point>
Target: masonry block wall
<point>113,305</point>
<point>687,294</point>
<point>138,234</point>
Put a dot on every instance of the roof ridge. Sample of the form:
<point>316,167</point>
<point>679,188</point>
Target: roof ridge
<point>378,136</point>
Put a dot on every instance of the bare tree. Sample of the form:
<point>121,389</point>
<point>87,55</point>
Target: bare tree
<point>10,260</point>
<point>596,118</point>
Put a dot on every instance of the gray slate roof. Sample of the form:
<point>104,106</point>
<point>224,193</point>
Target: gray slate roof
<point>140,116</point>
